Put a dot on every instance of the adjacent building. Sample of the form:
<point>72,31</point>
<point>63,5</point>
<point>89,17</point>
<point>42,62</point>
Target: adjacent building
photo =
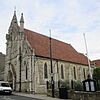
<point>28,64</point>
<point>2,65</point>
<point>96,63</point>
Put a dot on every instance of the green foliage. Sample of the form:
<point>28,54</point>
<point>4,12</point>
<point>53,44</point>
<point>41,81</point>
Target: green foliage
<point>77,85</point>
<point>96,76</point>
<point>98,85</point>
<point>64,84</point>
<point>96,73</point>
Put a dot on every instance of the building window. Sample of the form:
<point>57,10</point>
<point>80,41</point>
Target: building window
<point>45,71</point>
<point>57,68</point>
<point>26,69</point>
<point>84,73</point>
<point>62,72</point>
<point>74,73</point>
<point>26,72</point>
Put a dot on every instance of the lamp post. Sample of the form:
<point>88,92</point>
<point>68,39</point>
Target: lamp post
<point>52,80</point>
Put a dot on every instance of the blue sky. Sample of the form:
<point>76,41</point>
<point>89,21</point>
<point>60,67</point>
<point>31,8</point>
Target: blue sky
<point>67,19</point>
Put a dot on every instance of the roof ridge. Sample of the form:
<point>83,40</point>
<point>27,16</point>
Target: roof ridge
<point>47,36</point>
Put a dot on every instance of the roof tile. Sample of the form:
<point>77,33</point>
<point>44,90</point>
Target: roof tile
<point>60,50</point>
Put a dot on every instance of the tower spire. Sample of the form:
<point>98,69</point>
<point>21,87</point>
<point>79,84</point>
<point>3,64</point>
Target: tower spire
<point>22,19</point>
<point>14,22</point>
<point>22,23</point>
<point>14,19</point>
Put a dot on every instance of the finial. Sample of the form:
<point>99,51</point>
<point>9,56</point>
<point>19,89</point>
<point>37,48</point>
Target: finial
<point>15,10</point>
<point>22,19</point>
<point>21,14</point>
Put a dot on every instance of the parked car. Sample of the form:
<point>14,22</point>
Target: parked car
<point>5,88</point>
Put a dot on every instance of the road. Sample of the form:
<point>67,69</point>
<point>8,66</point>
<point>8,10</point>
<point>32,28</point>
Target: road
<point>15,97</point>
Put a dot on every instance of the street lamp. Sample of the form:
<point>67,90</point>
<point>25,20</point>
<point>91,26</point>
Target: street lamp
<point>52,80</point>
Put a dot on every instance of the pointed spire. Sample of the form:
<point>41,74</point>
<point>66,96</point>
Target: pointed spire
<point>22,19</point>
<point>14,22</point>
<point>21,23</point>
<point>14,19</point>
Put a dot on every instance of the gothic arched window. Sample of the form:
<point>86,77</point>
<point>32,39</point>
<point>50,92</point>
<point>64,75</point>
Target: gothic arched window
<point>74,73</point>
<point>62,72</point>
<point>84,73</point>
<point>45,71</point>
<point>26,72</point>
<point>26,69</point>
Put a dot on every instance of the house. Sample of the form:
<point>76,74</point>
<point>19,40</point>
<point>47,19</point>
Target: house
<point>96,63</point>
<point>28,64</point>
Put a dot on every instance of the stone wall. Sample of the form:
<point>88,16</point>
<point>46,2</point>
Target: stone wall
<point>56,95</point>
<point>78,95</point>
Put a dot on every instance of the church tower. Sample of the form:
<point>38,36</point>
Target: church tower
<point>12,52</point>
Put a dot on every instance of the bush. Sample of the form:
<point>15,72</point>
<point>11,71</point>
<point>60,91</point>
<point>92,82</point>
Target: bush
<point>77,86</point>
<point>96,76</point>
<point>96,73</point>
<point>98,85</point>
<point>64,84</point>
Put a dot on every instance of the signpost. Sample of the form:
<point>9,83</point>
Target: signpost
<point>89,85</point>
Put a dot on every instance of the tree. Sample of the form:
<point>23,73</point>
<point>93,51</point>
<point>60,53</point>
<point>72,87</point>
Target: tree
<point>96,76</point>
<point>96,73</point>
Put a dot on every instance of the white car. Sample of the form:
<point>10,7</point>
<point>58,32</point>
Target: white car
<point>5,87</point>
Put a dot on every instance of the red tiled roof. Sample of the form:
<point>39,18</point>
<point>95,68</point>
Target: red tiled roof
<point>60,50</point>
<point>96,62</point>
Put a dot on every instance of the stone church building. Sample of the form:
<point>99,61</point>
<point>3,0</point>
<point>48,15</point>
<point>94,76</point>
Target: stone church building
<point>27,63</point>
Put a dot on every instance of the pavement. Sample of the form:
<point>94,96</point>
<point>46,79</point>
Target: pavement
<point>37,96</point>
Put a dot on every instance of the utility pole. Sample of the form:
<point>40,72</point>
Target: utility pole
<point>52,80</point>
<point>89,65</point>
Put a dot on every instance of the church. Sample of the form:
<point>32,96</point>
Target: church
<point>29,58</point>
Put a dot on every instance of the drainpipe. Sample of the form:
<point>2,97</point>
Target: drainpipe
<point>34,75</point>
<point>20,60</point>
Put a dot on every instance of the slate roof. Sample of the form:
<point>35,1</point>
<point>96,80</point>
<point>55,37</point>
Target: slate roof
<point>60,50</point>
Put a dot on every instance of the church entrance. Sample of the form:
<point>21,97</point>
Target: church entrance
<point>12,77</point>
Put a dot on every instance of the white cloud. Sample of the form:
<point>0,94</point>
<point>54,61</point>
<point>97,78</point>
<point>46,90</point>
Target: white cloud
<point>68,19</point>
